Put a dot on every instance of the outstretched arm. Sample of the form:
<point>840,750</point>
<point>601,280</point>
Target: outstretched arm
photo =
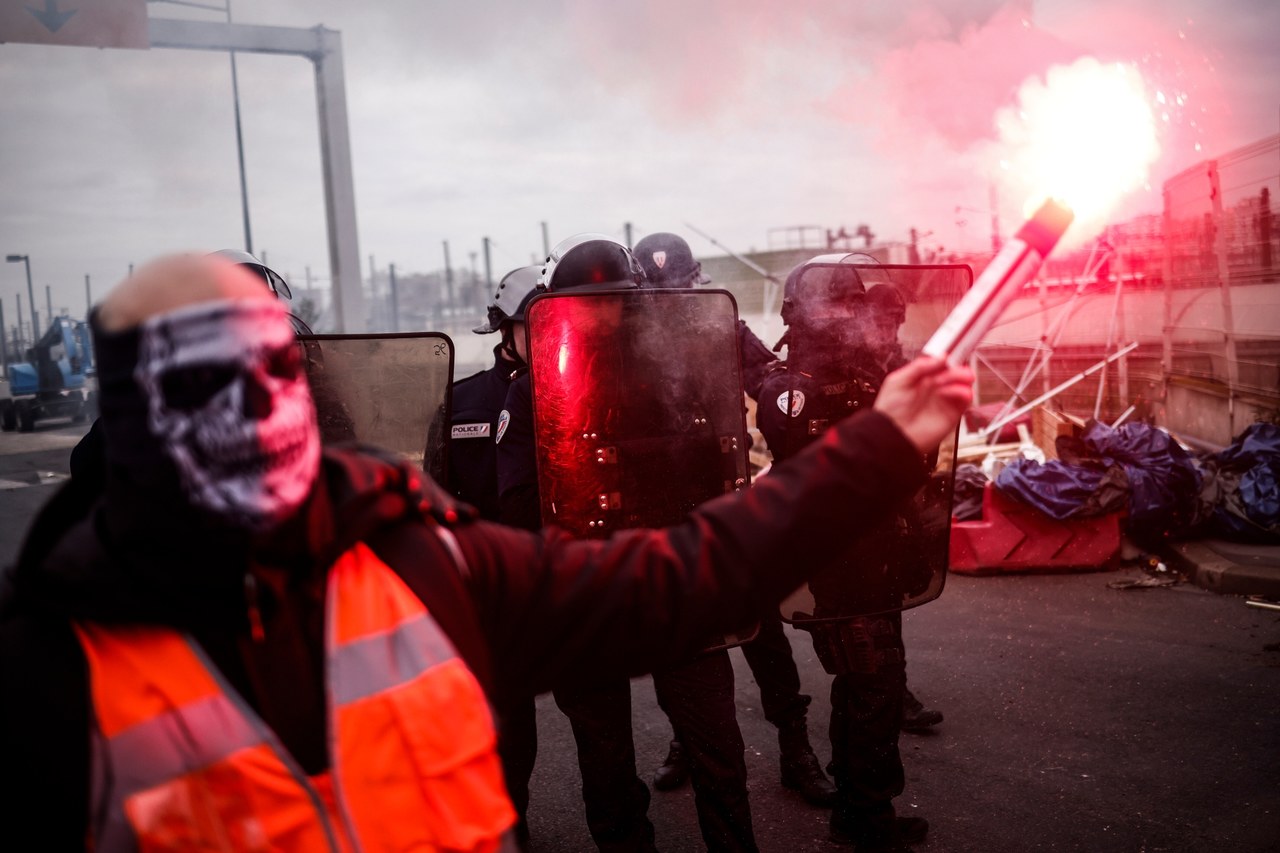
<point>553,606</point>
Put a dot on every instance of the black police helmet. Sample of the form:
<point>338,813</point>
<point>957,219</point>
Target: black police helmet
<point>589,262</point>
<point>887,300</point>
<point>668,261</point>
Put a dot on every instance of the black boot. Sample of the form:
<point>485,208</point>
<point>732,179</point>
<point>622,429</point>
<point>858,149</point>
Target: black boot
<point>872,838</point>
<point>800,769</point>
<point>915,716</point>
<point>674,772</point>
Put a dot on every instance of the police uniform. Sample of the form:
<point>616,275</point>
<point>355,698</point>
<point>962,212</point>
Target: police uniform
<point>599,710</point>
<point>473,477</point>
<point>473,454</point>
<point>756,358</point>
<point>865,655</point>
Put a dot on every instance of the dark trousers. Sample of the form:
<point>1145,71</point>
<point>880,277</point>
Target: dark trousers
<point>517,723</point>
<point>866,715</point>
<point>616,801</point>
<point>774,667</point>
<point>698,699</point>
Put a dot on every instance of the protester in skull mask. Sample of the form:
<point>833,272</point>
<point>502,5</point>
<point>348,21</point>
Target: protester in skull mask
<point>253,642</point>
<point>669,263</point>
<point>842,341</point>
<point>87,463</point>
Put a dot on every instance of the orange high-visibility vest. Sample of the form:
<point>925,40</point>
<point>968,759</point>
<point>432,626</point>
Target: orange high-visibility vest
<point>181,762</point>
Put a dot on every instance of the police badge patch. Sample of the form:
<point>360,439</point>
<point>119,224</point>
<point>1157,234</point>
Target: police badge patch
<point>660,259</point>
<point>503,420</point>
<point>796,399</point>
<point>470,431</point>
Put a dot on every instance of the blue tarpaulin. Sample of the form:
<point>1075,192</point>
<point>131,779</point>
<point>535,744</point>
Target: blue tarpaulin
<point>1159,477</point>
<point>1241,491</point>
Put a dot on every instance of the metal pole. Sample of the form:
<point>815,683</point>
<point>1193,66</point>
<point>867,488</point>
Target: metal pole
<point>448,274</point>
<point>1166,325</point>
<point>88,297</point>
<point>48,301</point>
<point>19,325</point>
<point>994,427</point>
<point>324,48</point>
<point>4,343</point>
<point>1111,336</point>
<point>244,186</point>
<point>31,301</point>
<point>339,183</point>
<point>488,268</point>
<point>475,279</point>
<point>627,227</point>
<point>373,294</point>
<point>395,300</point>
<point>546,242</point>
<point>1224,289</point>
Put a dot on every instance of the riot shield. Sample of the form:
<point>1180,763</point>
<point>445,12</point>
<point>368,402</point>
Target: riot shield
<point>388,390</point>
<point>638,407</point>
<point>902,563</point>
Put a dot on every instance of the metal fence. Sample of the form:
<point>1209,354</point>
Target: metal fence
<point>1221,347</point>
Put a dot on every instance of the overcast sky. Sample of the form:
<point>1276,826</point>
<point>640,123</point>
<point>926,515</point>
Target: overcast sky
<point>475,118</point>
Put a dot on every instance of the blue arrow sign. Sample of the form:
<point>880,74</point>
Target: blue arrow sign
<point>50,16</point>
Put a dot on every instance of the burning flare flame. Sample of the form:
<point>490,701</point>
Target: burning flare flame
<point>1085,134</point>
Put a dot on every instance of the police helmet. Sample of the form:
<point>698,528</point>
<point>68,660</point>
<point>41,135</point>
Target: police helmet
<point>590,262</point>
<point>668,261</point>
<point>822,281</point>
<point>887,300</point>
<point>273,279</point>
<point>514,292</point>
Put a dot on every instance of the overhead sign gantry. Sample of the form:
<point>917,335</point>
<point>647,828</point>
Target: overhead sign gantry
<point>124,23</point>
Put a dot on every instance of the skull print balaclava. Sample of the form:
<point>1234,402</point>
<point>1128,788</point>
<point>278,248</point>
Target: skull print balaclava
<point>228,404</point>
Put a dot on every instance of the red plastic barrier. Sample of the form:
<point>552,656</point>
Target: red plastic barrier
<point>1014,537</point>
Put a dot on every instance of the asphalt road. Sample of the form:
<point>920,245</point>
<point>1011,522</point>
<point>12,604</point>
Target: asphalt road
<point>1078,717</point>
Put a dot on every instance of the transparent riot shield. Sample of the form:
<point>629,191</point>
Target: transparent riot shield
<point>638,407</point>
<point>390,391</point>
<point>902,563</point>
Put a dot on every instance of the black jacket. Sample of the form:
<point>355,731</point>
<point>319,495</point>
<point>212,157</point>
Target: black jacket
<point>527,610</point>
<point>473,460</point>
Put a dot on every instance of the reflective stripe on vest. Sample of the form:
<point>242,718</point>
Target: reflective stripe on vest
<point>182,762</point>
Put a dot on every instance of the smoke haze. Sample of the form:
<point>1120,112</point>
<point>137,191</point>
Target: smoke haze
<point>486,118</point>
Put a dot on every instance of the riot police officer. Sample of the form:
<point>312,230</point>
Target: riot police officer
<point>842,341</point>
<point>478,399</point>
<point>473,477</point>
<point>668,262</point>
<point>599,708</point>
<point>632,393</point>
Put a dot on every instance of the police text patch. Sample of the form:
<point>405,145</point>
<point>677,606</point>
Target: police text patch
<point>471,430</point>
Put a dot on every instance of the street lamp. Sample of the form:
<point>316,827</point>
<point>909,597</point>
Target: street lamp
<point>31,296</point>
